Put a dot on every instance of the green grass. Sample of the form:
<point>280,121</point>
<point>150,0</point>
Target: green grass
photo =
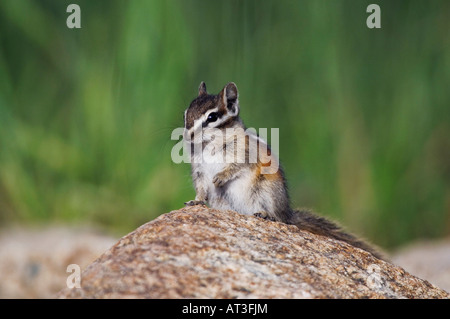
<point>364,115</point>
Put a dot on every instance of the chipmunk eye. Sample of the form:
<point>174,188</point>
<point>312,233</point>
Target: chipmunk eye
<point>212,117</point>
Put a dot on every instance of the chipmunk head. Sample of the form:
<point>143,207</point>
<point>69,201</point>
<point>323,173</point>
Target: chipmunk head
<point>211,111</point>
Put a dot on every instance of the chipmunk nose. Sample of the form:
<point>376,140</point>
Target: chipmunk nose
<point>188,135</point>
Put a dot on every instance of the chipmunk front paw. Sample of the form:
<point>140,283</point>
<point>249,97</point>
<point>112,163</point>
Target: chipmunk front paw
<point>220,179</point>
<point>195,202</point>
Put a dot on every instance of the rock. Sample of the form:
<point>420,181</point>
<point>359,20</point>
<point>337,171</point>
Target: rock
<point>198,252</point>
<point>33,262</point>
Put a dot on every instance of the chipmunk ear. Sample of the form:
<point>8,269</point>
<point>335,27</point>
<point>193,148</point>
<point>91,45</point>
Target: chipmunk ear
<point>229,96</point>
<point>202,89</point>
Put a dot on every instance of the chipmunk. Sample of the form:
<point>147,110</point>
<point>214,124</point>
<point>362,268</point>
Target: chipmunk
<point>230,167</point>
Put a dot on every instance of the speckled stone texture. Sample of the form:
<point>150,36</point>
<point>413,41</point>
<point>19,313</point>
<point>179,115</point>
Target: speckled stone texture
<point>198,252</point>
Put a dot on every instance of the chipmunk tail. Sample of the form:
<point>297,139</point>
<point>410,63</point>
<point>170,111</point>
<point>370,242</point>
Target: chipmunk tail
<point>306,220</point>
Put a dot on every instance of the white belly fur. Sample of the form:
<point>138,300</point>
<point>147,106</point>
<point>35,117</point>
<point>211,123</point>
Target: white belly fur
<point>236,194</point>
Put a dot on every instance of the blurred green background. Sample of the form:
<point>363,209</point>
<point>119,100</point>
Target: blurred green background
<point>364,114</point>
